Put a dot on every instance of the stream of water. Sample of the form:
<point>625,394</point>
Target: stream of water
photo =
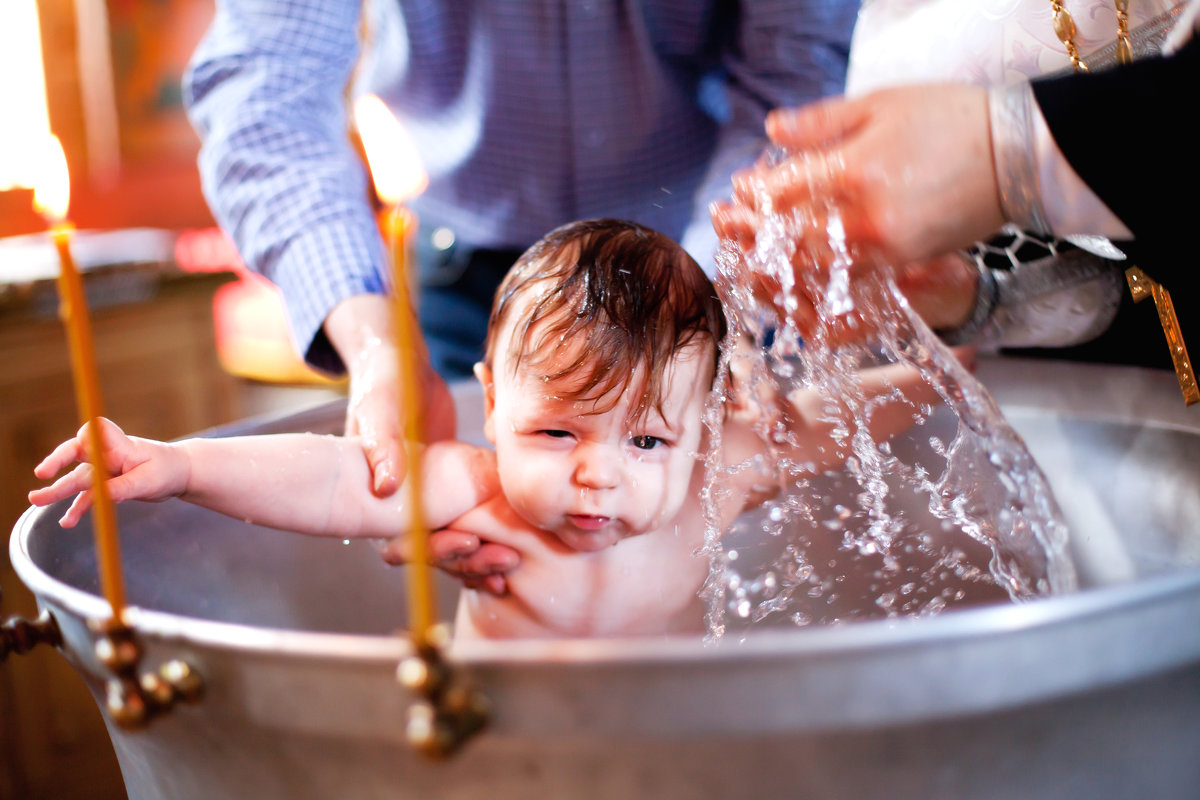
<point>932,500</point>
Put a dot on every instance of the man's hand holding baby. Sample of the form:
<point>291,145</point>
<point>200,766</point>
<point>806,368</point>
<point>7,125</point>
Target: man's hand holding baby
<point>477,564</point>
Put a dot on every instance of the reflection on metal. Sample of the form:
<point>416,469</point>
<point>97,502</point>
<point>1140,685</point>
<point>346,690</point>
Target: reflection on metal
<point>449,712</point>
<point>19,635</point>
<point>133,700</point>
<point>1142,286</point>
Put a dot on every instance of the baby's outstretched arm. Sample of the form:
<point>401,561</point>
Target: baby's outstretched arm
<point>318,485</point>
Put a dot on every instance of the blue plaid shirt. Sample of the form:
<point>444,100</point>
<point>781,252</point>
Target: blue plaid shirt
<point>527,114</point>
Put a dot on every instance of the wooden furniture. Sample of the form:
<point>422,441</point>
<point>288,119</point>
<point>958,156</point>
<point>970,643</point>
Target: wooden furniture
<point>160,375</point>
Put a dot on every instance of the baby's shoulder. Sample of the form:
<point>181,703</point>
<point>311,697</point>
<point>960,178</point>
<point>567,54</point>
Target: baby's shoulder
<point>450,461</point>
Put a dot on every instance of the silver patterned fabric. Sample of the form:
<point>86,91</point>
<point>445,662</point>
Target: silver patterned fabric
<point>1038,292</point>
<point>1035,290</point>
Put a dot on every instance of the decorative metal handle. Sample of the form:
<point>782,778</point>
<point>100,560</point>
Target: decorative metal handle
<point>450,712</point>
<point>18,635</point>
<point>133,700</point>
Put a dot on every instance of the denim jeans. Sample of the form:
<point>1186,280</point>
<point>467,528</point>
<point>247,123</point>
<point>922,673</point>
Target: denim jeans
<point>457,289</point>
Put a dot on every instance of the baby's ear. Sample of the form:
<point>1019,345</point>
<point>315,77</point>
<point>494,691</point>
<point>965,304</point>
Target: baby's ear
<point>483,374</point>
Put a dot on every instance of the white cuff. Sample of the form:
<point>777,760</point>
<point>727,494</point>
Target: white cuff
<point>1012,155</point>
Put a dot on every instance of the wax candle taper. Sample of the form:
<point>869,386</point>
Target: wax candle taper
<point>397,174</point>
<point>51,199</point>
<point>399,225</point>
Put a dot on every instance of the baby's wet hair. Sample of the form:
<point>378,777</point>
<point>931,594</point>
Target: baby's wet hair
<point>622,295</point>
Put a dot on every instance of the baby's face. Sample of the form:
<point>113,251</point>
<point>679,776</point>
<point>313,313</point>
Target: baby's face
<point>593,479</point>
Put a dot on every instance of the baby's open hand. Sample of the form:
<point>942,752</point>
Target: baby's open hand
<point>141,469</point>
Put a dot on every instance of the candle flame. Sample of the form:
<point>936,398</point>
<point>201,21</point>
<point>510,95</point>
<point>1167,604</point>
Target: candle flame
<point>52,191</point>
<point>391,153</point>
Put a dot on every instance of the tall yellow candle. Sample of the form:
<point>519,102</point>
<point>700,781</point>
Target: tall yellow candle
<point>74,312</point>
<point>398,224</point>
<point>397,174</point>
<point>52,198</point>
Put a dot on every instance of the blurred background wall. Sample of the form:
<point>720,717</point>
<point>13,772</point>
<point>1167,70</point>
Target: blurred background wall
<point>104,76</point>
<point>112,77</point>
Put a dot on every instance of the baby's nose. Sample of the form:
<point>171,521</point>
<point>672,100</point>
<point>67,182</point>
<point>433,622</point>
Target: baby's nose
<point>597,467</point>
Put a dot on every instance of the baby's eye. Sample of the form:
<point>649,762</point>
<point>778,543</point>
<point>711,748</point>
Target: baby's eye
<point>646,442</point>
<point>555,434</point>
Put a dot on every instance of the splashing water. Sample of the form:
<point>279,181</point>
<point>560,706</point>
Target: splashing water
<point>951,509</point>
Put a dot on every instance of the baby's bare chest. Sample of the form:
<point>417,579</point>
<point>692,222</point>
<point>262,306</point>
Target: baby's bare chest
<point>643,585</point>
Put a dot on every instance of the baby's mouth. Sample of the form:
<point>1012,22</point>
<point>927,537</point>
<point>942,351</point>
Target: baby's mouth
<point>588,522</point>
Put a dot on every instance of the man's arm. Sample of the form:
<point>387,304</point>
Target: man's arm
<point>1145,101</point>
<point>266,91</point>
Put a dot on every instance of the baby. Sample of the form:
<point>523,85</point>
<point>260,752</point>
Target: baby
<point>601,352</point>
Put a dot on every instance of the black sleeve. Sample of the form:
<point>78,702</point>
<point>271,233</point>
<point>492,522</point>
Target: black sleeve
<point>1131,133</point>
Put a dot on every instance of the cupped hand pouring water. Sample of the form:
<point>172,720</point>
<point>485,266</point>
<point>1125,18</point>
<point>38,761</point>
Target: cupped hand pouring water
<point>910,174</point>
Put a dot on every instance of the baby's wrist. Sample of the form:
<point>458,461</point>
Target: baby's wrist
<point>179,456</point>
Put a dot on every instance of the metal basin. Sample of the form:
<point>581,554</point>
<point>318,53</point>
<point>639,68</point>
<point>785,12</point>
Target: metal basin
<point>1095,694</point>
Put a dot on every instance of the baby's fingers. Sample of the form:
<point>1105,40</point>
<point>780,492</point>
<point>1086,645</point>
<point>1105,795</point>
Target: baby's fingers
<point>79,507</point>
<point>77,480</point>
<point>66,453</point>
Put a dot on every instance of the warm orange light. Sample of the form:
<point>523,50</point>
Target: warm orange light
<point>391,153</point>
<point>22,92</point>
<point>52,190</point>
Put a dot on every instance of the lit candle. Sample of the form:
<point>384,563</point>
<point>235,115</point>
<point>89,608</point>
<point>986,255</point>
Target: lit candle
<point>51,198</point>
<point>397,174</point>
<point>421,596</point>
